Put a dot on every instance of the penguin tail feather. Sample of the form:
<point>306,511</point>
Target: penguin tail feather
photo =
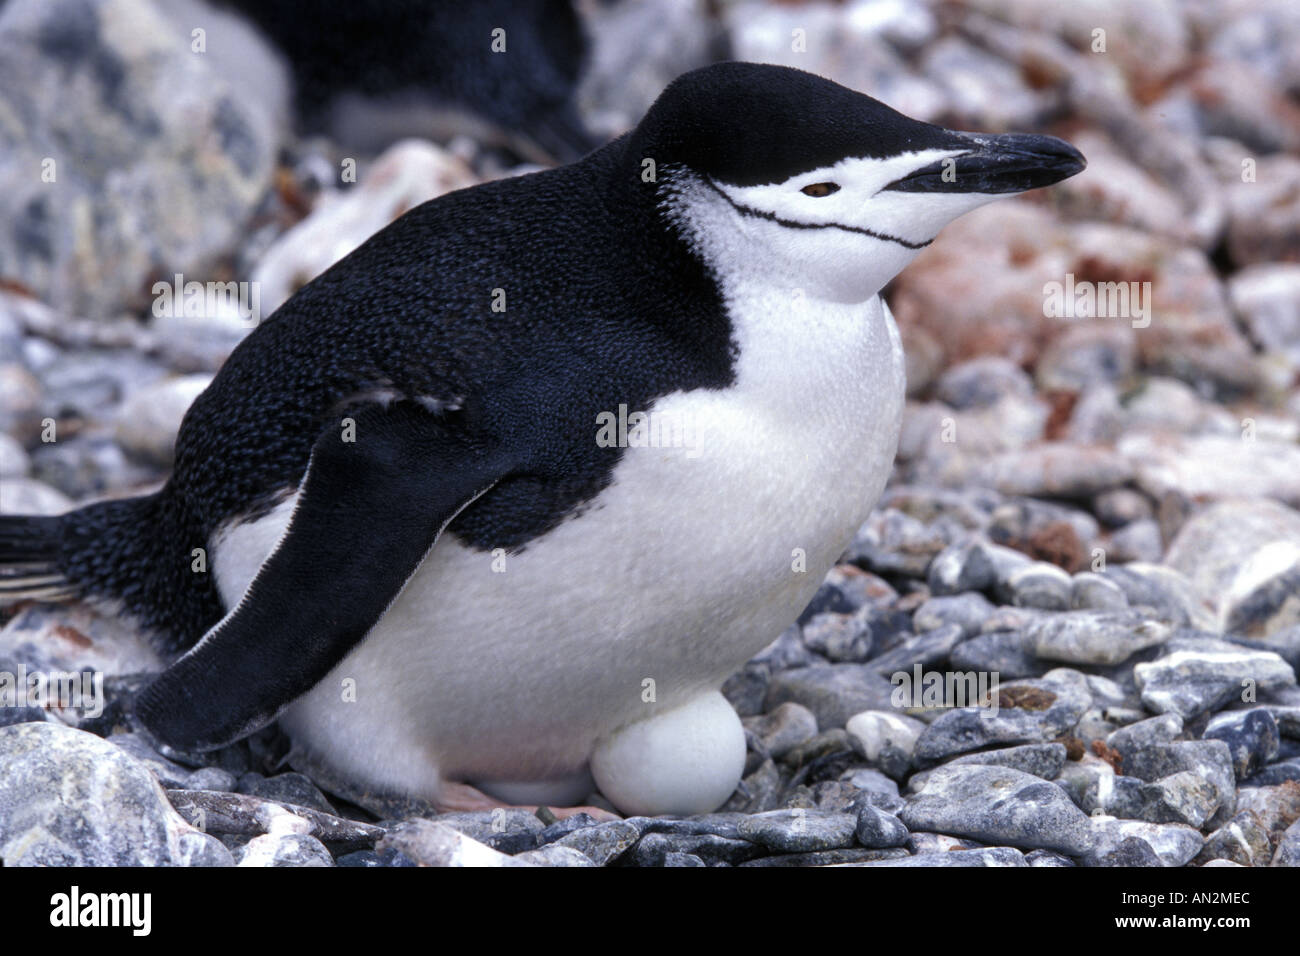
<point>29,560</point>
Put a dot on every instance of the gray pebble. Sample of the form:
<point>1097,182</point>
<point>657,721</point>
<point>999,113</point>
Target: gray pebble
<point>1288,848</point>
<point>1251,735</point>
<point>1196,675</point>
<point>653,848</point>
<point>799,831</point>
<point>1096,592</point>
<point>1047,858</point>
<point>1209,760</point>
<point>783,729</point>
<point>1008,653</point>
<point>987,856</point>
<point>999,805</point>
<point>1170,844</point>
<point>833,692</point>
<point>1048,708</point>
<point>1039,585</point>
<point>1143,733</point>
<point>555,854</point>
<point>283,849</point>
<point>69,798</point>
<point>969,611</point>
<point>1095,637</point>
<point>604,842</point>
<point>1242,840</point>
<point>877,829</point>
<point>1183,797</point>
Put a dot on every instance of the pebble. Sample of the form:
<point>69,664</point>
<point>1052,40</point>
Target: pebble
<point>1242,840</point>
<point>840,637</point>
<point>1094,786</point>
<point>1090,591</point>
<point>430,843</point>
<point>1207,760</point>
<point>372,860</point>
<point>784,728</point>
<point>885,739</point>
<point>283,849</point>
<point>1167,594</point>
<point>1251,736</point>
<point>28,496</point>
<point>892,542</point>
<point>1095,637</point>
<point>1195,676</point>
<point>246,815</point>
<point>999,805</point>
<point>1288,848</point>
<point>1122,506</point>
<point>972,566</point>
<point>1139,540</point>
<point>874,787</point>
<point>987,856</point>
<point>828,857</point>
<point>1138,843</point>
<point>289,788</point>
<point>1040,585</point>
<point>508,829</point>
<point>922,842</point>
<point>603,843</point>
<point>1214,467</point>
<point>921,650</point>
<point>1010,654</point>
<point>1041,760</point>
<point>1144,733</point>
<point>14,461</point>
<point>1183,797</point>
<point>981,382</point>
<point>554,854</point>
<point>1047,858</point>
<point>677,859</point>
<point>799,830</point>
<point>69,798</point>
<point>968,611</point>
<point>1046,708</point>
<point>654,848</point>
<point>877,828</point>
<point>833,692</point>
<point>1087,354</point>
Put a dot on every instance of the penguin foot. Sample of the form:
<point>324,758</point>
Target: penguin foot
<point>461,797</point>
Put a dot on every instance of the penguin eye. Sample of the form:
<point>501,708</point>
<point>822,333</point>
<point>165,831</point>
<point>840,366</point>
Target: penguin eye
<point>820,189</point>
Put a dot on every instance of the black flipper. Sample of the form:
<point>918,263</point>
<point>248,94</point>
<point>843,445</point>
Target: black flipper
<point>367,514</point>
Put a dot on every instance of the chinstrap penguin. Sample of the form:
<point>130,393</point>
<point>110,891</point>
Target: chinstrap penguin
<point>431,555</point>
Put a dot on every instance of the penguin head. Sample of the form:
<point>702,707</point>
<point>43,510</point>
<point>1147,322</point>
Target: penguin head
<point>779,171</point>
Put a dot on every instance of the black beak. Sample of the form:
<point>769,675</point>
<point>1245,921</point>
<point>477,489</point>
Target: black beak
<point>1010,163</point>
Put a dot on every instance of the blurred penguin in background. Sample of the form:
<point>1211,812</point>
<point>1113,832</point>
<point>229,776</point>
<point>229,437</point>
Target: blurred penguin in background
<point>370,72</point>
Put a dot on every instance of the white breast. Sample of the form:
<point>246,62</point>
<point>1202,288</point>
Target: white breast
<point>690,562</point>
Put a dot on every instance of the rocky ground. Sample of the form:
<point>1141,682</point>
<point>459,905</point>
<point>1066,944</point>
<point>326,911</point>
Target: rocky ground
<point>1102,509</point>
